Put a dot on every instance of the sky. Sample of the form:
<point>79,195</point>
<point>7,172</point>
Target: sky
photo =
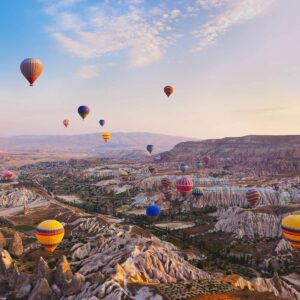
<point>234,64</point>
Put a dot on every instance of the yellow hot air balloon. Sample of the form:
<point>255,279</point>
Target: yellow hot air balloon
<point>50,233</point>
<point>290,226</point>
<point>106,136</point>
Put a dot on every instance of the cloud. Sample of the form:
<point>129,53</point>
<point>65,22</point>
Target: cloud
<point>87,72</point>
<point>236,12</point>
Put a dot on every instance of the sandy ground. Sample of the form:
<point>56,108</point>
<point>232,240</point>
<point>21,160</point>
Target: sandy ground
<point>175,225</point>
<point>70,198</point>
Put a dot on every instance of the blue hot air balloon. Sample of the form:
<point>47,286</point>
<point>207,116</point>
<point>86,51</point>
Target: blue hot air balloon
<point>83,111</point>
<point>183,167</point>
<point>150,148</point>
<point>102,122</point>
<point>153,211</point>
<point>198,164</point>
<point>197,193</point>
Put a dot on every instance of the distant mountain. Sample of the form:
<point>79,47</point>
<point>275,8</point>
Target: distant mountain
<point>89,143</point>
<point>263,152</point>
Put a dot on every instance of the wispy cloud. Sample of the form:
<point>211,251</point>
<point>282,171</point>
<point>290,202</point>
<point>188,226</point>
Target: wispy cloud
<point>235,12</point>
<point>87,72</point>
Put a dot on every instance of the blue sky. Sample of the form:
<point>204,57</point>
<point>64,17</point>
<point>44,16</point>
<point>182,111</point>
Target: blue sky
<point>235,66</point>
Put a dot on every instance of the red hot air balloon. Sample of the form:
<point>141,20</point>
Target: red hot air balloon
<point>166,182</point>
<point>66,123</point>
<point>31,68</point>
<point>7,175</point>
<point>168,90</point>
<point>253,196</point>
<point>206,160</point>
<point>184,185</point>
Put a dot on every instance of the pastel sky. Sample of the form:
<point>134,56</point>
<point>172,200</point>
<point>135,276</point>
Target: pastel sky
<point>235,66</point>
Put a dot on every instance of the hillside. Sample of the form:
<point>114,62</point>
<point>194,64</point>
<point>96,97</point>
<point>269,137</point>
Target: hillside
<point>88,143</point>
<point>265,152</point>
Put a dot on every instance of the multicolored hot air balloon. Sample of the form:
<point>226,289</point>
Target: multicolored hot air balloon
<point>7,175</point>
<point>83,111</point>
<point>31,68</point>
<point>253,196</point>
<point>66,122</point>
<point>183,167</point>
<point>153,211</point>
<point>198,164</point>
<point>197,192</point>
<point>184,185</point>
<point>290,227</point>
<point>123,175</point>
<point>106,136</point>
<point>166,182</point>
<point>150,148</point>
<point>151,169</point>
<point>102,122</point>
<point>206,160</point>
<point>49,234</point>
<point>168,90</point>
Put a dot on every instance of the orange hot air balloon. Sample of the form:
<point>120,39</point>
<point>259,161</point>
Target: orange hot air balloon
<point>106,136</point>
<point>253,196</point>
<point>31,68</point>
<point>168,90</point>
<point>66,122</point>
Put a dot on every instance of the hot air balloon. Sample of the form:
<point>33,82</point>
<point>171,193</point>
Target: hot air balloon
<point>197,192</point>
<point>290,226</point>
<point>83,111</point>
<point>166,182</point>
<point>183,167</point>
<point>198,164</point>
<point>7,175</point>
<point>150,148</point>
<point>31,68</point>
<point>253,197</point>
<point>66,122</point>
<point>184,185</point>
<point>151,169</point>
<point>102,122</point>
<point>50,233</point>
<point>106,136</point>
<point>168,90</point>
<point>153,211</point>
<point>206,160</point>
<point>123,175</point>
<point>168,195</point>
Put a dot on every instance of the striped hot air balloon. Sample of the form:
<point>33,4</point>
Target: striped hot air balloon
<point>197,192</point>
<point>106,136</point>
<point>184,185</point>
<point>253,196</point>
<point>290,227</point>
<point>50,233</point>
<point>151,169</point>
<point>166,182</point>
<point>31,68</point>
<point>168,90</point>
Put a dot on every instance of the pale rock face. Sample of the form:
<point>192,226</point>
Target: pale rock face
<point>251,223</point>
<point>283,247</point>
<point>16,197</point>
<point>15,247</point>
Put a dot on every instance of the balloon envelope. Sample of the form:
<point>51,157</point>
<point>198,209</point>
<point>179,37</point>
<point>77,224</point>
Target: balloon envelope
<point>198,164</point>
<point>106,136</point>
<point>197,192</point>
<point>183,167</point>
<point>253,196</point>
<point>102,122</point>
<point>7,175</point>
<point>150,148</point>
<point>31,68</point>
<point>184,185</point>
<point>152,211</point>
<point>83,111</point>
<point>66,123</point>
<point>290,227</point>
<point>151,169</point>
<point>50,233</point>
<point>168,90</point>
<point>206,160</point>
